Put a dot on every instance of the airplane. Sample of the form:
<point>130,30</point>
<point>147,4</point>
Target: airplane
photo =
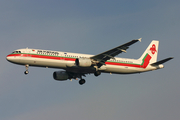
<point>77,65</point>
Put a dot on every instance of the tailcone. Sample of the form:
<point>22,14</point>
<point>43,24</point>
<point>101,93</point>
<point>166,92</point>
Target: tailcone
<point>160,66</point>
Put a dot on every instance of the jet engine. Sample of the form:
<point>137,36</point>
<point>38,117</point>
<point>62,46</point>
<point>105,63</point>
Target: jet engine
<point>83,62</point>
<point>60,75</point>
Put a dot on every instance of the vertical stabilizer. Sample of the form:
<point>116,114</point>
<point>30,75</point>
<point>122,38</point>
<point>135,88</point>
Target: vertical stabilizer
<point>150,54</point>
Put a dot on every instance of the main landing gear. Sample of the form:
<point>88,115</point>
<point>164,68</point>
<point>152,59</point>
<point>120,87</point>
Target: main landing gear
<point>97,73</point>
<point>26,72</point>
<point>82,81</point>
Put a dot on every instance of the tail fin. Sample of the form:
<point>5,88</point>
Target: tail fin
<point>150,54</point>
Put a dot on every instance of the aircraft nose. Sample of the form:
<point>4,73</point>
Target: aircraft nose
<point>8,58</point>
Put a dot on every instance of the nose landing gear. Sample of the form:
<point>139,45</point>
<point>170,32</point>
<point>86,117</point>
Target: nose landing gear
<point>26,72</point>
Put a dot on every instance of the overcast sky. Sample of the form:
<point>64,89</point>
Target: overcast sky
<point>91,27</point>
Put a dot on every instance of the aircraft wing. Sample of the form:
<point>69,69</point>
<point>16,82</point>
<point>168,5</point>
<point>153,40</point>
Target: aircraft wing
<point>110,54</point>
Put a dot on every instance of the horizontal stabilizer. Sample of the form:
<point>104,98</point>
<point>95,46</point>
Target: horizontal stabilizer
<point>162,61</point>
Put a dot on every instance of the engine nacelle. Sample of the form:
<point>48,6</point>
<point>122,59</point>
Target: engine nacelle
<point>60,75</point>
<point>83,62</point>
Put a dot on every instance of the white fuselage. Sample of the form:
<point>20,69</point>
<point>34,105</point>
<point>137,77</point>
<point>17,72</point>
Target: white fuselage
<point>66,60</point>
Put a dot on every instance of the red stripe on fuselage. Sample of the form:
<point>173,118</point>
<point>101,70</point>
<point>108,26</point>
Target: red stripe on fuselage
<point>41,56</point>
<point>14,55</point>
<point>46,57</point>
<point>122,64</point>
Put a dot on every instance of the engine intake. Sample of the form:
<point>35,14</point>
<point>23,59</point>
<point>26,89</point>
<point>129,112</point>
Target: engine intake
<point>60,75</point>
<point>83,62</point>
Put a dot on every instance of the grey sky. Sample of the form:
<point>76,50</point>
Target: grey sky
<point>89,27</point>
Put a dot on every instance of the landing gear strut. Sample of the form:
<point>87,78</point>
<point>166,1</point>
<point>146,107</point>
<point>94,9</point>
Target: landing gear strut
<point>82,81</point>
<point>26,72</point>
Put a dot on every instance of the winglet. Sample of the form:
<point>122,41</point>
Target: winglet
<point>140,39</point>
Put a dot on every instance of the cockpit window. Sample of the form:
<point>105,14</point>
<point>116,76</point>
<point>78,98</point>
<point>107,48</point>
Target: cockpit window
<point>16,52</point>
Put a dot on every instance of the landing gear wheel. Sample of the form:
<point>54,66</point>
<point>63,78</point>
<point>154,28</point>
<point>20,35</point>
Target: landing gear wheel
<point>26,72</point>
<point>97,73</point>
<point>82,81</point>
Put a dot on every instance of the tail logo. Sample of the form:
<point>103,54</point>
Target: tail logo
<point>153,49</point>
